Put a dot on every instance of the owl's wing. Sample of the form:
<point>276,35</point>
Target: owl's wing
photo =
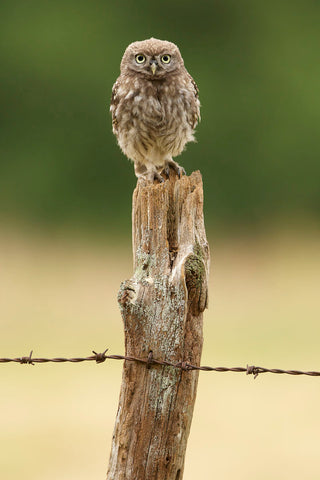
<point>195,113</point>
<point>113,106</point>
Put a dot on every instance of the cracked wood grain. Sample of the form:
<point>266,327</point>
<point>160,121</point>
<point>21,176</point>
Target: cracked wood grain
<point>162,307</point>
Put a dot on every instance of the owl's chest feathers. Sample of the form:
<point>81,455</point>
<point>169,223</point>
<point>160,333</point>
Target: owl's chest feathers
<point>154,119</point>
<point>154,104</point>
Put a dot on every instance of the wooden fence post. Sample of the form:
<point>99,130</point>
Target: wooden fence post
<point>162,307</point>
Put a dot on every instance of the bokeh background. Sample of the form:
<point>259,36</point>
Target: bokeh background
<point>65,230</point>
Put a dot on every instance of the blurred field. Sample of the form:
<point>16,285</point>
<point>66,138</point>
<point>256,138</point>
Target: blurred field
<point>58,297</point>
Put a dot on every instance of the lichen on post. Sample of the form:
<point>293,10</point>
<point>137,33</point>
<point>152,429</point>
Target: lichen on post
<point>162,307</point>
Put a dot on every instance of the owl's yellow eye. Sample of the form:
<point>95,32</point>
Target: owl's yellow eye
<point>166,58</point>
<point>140,58</point>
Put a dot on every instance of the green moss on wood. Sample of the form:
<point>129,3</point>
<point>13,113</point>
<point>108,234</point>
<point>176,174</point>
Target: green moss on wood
<point>194,268</point>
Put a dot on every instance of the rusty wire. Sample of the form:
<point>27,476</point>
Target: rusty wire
<point>150,360</point>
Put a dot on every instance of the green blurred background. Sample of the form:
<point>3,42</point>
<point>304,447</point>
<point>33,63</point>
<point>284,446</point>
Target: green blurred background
<point>65,242</point>
<point>257,67</point>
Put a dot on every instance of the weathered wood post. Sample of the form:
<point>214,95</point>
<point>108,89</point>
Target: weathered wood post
<point>162,307</point>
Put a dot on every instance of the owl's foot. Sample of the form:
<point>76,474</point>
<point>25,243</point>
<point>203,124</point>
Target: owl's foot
<point>176,167</point>
<point>154,175</point>
<point>157,176</point>
<point>150,175</point>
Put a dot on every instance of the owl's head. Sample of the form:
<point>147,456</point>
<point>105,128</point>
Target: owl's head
<point>152,58</point>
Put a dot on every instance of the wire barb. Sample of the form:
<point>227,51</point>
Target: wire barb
<point>252,370</point>
<point>100,357</point>
<point>149,360</point>
<point>27,360</point>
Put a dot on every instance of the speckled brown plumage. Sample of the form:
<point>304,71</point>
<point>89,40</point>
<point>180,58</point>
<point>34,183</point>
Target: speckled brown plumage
<point>155,107</point>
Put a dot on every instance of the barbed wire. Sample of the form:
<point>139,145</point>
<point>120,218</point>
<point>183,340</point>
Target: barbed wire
<point>150,361</point>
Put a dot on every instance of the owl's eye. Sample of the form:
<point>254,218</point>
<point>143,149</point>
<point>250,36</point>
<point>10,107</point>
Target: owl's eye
<point>140,58</point>
<point>166,58</point>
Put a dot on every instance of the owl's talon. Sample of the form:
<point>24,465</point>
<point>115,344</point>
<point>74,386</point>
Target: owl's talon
<point>166,171</point>
<point>176,167</point>
<point>181,172</point>
<point>157,176</point>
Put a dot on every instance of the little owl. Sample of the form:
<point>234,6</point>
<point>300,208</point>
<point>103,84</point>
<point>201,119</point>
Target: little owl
<point>155,107</point>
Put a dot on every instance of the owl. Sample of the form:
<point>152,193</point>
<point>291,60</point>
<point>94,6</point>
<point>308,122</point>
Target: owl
<point>155,107</point>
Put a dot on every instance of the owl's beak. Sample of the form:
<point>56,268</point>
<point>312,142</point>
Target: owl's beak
<point>153,66</point>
